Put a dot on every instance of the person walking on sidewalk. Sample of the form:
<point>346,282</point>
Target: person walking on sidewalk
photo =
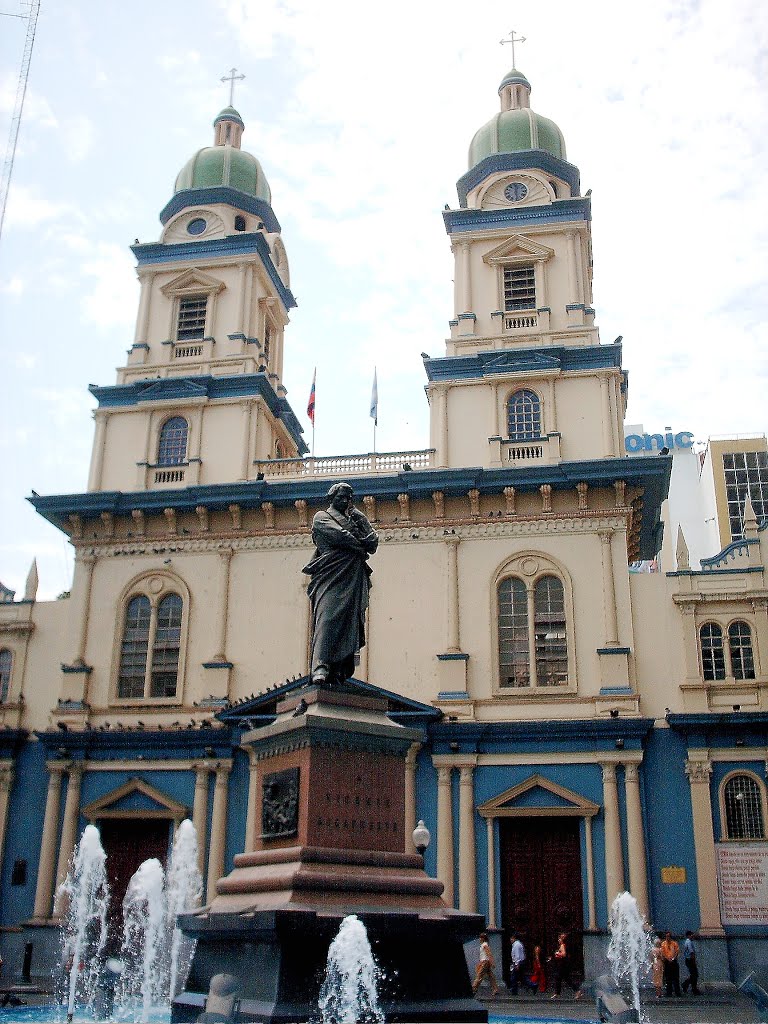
<point>516,959</point>
<point>689,955</point>
<point>561,968</point>
<point>485,967</point>
<point>669,952</point>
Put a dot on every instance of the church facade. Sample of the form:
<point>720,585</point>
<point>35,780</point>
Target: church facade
<point>585,730</point>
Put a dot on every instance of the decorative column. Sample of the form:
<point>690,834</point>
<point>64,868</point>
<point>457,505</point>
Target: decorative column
<point>489,826</point>
<point>638,871</point>
<point>6,785</point>
<point>246,440</point>
<point>254,803</point>
<point>467,866</point>
<point>573,293</point>
<point>142,318</point>
<point>440,394</point>
<point>465,275</point>
<point>605,411</point>
<point>445,832</point>
<point>225,557</point>
<point>97,458</point>
<point>609,589</point>
<point>614,863</point>
<point>591,908</point>
<point>218,827</point>
<point>690,641</point>
<point>452,625</point>
<point>71,816</point>
<point>410,795</point>
<point>241,285</point>
<point>200,813</point>
<point>698,771</point>
<point>81,608</point>
<point>45,868</point>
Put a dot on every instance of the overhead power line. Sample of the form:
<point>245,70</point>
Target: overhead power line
<point>21,91</point>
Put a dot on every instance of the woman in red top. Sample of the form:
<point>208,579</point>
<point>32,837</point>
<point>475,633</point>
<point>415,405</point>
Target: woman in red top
<point>538,977</point>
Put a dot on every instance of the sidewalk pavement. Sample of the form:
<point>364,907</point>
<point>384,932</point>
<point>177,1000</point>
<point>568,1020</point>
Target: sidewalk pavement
<point>721,1007</point>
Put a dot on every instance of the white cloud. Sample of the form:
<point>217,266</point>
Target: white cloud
<point>27,209</point>
<point>14,286</point>
<point>111,299</point>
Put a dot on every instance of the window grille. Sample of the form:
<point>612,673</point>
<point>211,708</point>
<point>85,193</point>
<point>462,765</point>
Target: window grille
<point>514,655</point>
<point>165,649</point>
<point>745,473</point>
<point>550,632</point>
<point>712,651</point>
<point>172,445</point>
<point>192,318</point>
<point>6,665</point>
<point>743,808</point>
<point>523,416</point>
<point>133,653</point>
<point>740,646</point>
<point>519,287</point>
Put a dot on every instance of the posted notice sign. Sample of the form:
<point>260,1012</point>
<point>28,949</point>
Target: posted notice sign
<point>742,870</point>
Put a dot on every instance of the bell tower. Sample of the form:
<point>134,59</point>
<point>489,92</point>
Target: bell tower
<point>200,399</point>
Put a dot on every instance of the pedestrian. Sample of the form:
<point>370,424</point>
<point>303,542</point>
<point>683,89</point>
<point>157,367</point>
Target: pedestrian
<point>657,967</point>
<point>516,959</point>
<point>561,968</point>
<point>485,967</point>
<point>669,952</point>
<point>538,979</point>
<point>689,955</point>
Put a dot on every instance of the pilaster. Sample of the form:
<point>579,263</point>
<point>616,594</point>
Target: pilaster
<point>638,869</point>
<point>614,862</point>
<point>445,832</point>
<point>698,768</point>
<point>467,865</point>
<point>218,826</point>
<point>45,868</point>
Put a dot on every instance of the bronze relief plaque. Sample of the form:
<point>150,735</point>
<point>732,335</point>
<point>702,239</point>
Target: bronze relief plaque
<point>280,804</point>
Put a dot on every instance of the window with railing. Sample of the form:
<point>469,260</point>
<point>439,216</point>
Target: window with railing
<point>523,415</point>
<point>519,287</point>
<point>172,443</point>
<point>191,321</point>
<point>743,803</point>
<point>150,647</point>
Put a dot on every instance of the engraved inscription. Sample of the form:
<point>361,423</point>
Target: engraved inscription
<point>280,804</point>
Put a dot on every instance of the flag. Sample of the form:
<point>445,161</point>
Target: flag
<point>311,402</point>
<point>375,401</point>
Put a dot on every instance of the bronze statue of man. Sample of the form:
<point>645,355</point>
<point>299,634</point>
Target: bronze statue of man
<point>340,579</point>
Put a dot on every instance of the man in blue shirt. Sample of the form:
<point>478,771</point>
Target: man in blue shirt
<point>689,955</point>
<point>516,959</point>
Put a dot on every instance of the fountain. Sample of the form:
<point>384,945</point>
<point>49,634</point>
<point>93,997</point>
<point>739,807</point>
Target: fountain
<point>184,887</point>
<point>144,931</point>
<point>629,951</point>
<point>349,990</point>
<point>86,895</point>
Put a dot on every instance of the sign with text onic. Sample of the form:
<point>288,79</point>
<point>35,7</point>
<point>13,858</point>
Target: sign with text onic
<point>637,444</point>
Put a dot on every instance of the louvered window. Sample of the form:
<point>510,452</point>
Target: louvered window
<point>519,287</point>
<point>191,323</point>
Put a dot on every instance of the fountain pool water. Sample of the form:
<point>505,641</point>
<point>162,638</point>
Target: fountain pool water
<point>85,895</point>
<point>184,888</point>
<point>629,951</point>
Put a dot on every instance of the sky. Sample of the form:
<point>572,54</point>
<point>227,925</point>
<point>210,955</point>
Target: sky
<point>361,115</point>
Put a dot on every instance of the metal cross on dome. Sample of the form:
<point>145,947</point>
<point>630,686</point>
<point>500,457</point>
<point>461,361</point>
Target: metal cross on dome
<point>511,41</point>
<point>232,78</point>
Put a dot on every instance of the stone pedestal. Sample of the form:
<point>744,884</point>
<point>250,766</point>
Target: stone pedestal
<point>330,842</point>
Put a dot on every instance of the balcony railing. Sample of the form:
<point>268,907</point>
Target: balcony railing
<point>520,321</point>
<point>348,465</point>
<point>509,453</point>
<point>193,351</point>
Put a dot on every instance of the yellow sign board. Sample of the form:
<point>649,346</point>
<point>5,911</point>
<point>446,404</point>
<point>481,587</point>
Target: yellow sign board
<point>673,875</point>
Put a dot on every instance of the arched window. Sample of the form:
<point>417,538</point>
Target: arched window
<point>550,630</point>
<point>165,647</point>
<point>535,656</point>
<point>172,446</point>
<point>740,648</point>
<point>514,657</point>
<point>133,652</point>
<point>149,653</point>
<point>523,415</point>
<point>712,652</point>
<point>6,666</point>
<point>743,808</point>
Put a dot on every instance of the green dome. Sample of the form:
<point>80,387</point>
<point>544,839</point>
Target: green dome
<point>513,131</point>
<point>224,165</point>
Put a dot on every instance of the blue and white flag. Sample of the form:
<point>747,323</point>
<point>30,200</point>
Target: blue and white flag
<point>375,401</point>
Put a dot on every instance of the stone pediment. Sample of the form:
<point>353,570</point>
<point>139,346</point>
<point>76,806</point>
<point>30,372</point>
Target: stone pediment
<point>193,280</point>
<point>537,796</point>
<point>172,387</point>
<point>135,799</point>
<point>518,248</point>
